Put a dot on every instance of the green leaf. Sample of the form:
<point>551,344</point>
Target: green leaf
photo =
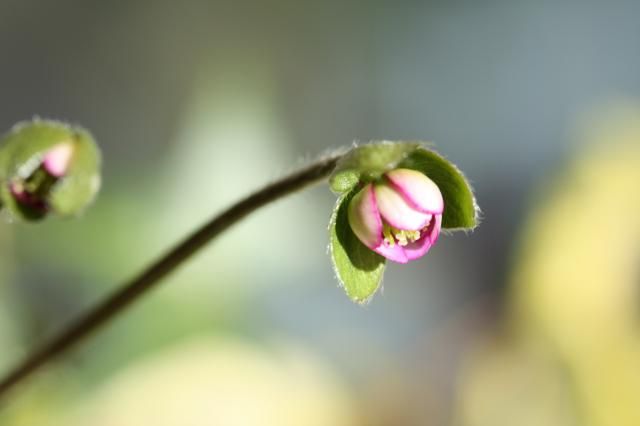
<point>460,208</point>
<point>358,268</point>
<point>21,154</point>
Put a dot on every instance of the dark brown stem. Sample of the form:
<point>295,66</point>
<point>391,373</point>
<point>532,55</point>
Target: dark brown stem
<point>149,278</point>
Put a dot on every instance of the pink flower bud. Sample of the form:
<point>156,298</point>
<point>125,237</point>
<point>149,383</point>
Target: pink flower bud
<point>399,216</point>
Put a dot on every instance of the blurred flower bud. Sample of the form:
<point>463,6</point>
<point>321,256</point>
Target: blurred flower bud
<point>48,167</point>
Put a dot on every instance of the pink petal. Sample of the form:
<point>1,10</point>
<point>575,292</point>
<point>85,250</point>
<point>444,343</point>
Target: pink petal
<point>435,230</point>
<point>420,191</point>
<point>395,253</point>
<point>57,159</point>
<point>397,211</point>
<point>364,217</point>
<point>419,248</point>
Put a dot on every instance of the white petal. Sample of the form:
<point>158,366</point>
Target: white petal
<point>395,210</point>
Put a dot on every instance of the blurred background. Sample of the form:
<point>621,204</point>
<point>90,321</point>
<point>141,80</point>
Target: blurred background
<point>530,320</point>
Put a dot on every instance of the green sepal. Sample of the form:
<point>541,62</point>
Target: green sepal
<point>358,268</point>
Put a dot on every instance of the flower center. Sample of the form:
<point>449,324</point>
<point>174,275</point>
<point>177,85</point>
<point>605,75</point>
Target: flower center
<point>393,236</point>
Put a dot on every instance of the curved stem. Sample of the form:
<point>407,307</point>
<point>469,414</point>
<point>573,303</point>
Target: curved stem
<point>149,278</point>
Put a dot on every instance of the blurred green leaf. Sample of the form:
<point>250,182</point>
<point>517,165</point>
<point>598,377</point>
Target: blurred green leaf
<point>21,154</point>
<point>460,211</point>
<point>358,268</point>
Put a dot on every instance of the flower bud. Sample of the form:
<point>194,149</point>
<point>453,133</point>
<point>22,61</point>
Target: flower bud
<point>399,216</point>
<point>47,168</point>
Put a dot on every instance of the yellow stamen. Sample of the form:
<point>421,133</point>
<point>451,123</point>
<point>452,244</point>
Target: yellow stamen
<point>413,236</point>
<point>388,237</point>
<point>401,237</point>
<point>394,235</point>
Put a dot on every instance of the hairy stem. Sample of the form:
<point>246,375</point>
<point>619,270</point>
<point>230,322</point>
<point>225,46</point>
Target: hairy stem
<point>132,290</point>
